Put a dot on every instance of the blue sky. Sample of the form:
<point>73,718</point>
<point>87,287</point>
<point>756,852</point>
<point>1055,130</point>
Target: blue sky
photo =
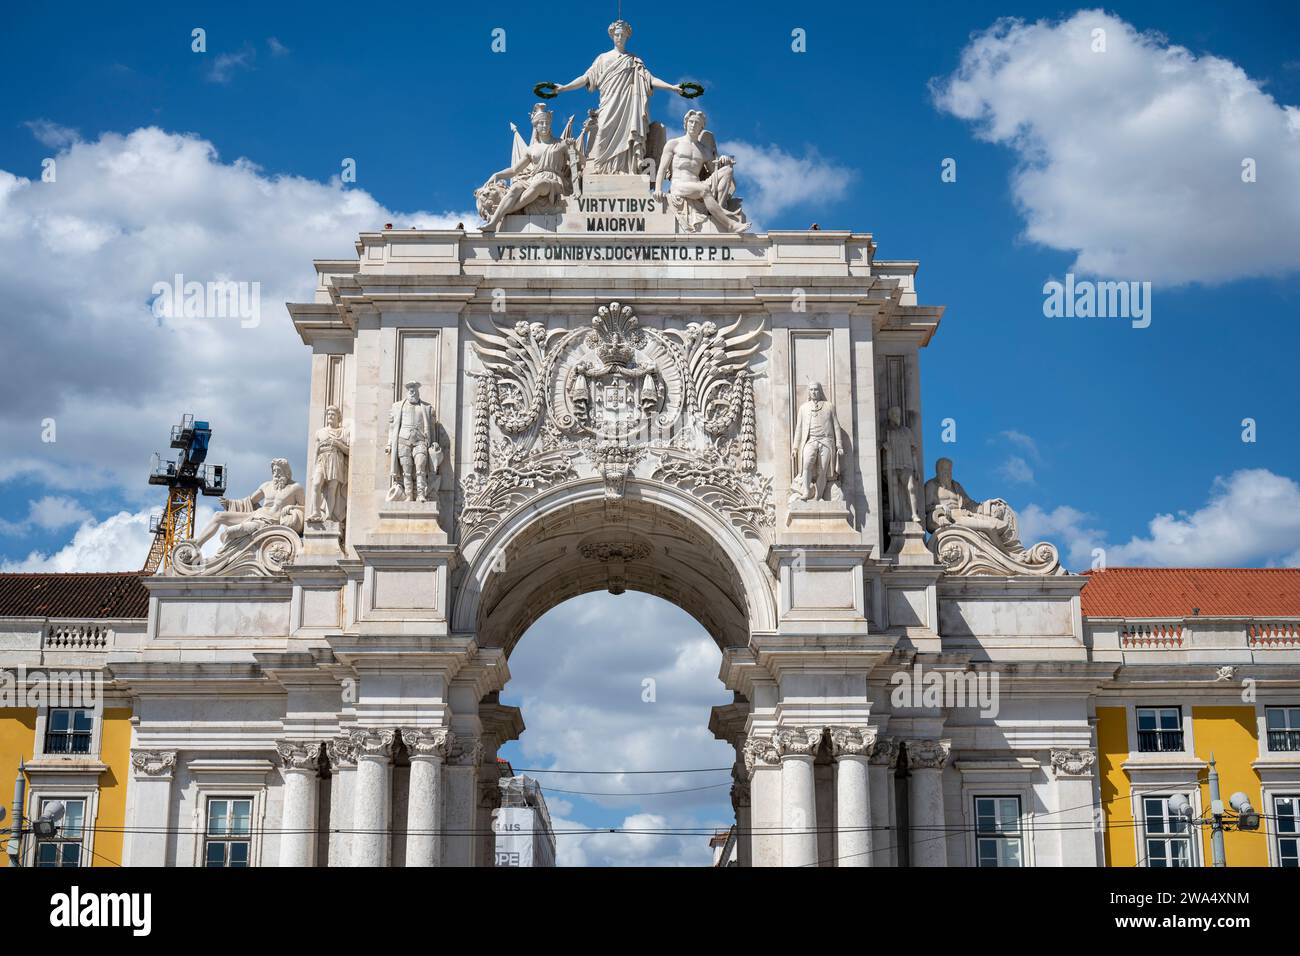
<point>1113,167</point>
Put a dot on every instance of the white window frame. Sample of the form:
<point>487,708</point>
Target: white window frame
<point>1020,837</point>
<point>243,779</point>
<point>83,857</point>
<point>1270,796</point>
<point>96,732</point>
<point>1185,723</point>
<point>1193,837</point>
<point>1264,749</point>
<point>42,793</point>
<point>252,824</point>
<point>999,779</point>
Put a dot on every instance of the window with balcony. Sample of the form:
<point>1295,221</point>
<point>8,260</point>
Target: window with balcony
<point>1159,729</point>
<point>1283,725</point>
<point>998,840</point>
<point>69,731</point>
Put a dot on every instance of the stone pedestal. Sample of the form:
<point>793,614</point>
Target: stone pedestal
<point>322,543</point>
<point>907,544</point>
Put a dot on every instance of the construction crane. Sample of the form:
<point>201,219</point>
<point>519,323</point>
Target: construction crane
<point>184,477</point>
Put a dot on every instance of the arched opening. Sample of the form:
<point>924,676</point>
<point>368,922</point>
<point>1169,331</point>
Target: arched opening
<point>640,596</point>
<point>623,683</point>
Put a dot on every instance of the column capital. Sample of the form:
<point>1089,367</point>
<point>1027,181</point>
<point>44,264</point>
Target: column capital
<point>428,741</point>
<point>154,763</point>
<point>759,751</point>
<point>853,741</point>
<point>1073,763</point>
<point>373,742</point>
<point>465,752</point>
<point>299,754</point>
<point>928,754</point>
<point>885,752</point>
<point>341,752</point>
<point>798,741</point>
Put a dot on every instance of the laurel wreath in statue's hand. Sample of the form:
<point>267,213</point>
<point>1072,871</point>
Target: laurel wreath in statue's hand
<point>547,91</point>
<point>690,90</point>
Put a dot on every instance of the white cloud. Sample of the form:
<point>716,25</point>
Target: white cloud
<point>1016,470</point>
<point>78,261</point>
<point>49,513</point>
<point>649,847</point>
<point>578,677</point>
<point>771,181</point>
<point>51,134</point>
<point>120,542</point>
<point>276,47</point>
<point>224,65</point>
<point>1252,518</point>
<point>1126,155</point>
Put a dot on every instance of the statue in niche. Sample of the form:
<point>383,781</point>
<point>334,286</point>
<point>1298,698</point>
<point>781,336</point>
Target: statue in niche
<point>901,468</point>
<point>278,502</point>
<point>329,485</point>
<point>704,187</point>
<point>622,120</point>
<point>541,172</point>
<point>817,449</point>
<point>979,537</point>
<point>414,455</point>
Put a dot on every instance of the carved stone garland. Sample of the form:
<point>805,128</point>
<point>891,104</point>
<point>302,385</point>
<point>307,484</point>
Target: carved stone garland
<point>570,403</point>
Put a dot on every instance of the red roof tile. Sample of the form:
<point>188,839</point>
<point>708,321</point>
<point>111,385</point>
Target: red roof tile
<point>1175,592</point>
<point>108,594</point>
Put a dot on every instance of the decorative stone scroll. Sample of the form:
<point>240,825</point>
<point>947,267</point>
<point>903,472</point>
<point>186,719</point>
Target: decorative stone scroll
<point>614,400</point>
<point>760,751</point>
<point>153,763</point>
<point>428,742</point>
<point>798,741</point>
<point>266,554</point>
<point>299,754</point>
<point>1073,763</point>
<point>853,741</point>
<point>970,537</point>
<point>927,754</point>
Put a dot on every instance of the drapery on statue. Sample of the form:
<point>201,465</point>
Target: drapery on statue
<point>623,117</point>
<point>414,455</point>
<point>704,185</point>
<point>329,484</point>
<point>816,452</point>
<point>542,171</point>
<point>901,468</point>
<point>979,537</point>
<point>279,501</point>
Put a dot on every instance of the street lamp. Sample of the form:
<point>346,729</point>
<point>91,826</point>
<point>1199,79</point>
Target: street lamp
<point>1242,817</point>
<point>47,826</point>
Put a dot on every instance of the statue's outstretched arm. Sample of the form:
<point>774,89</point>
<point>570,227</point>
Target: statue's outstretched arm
<point>572,84</point>
<point>658,84</point>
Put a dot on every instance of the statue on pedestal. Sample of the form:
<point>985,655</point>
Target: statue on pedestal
<point>414,455</point>
<point>817,449</point>
<point>979,537</point>
<point>704,185</point>
<point>541,172</point>
<point>278,502</point>
<point>901,468</point>
<point>623,118</point>
<point>329,484</point>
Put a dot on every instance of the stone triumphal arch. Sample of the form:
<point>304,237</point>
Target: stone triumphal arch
<point>612,384</point>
